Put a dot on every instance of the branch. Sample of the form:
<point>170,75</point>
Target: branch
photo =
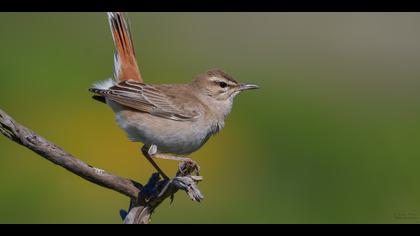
<point>144,199</point>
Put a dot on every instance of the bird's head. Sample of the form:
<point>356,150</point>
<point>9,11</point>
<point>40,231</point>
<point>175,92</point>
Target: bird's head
<point>220,86</point>
<point>217,89</point>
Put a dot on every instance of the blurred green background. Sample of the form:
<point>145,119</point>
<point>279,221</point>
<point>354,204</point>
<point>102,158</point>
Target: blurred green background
<point>332,136</point>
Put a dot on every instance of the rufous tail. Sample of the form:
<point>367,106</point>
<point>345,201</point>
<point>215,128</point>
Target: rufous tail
<point>125,63</point>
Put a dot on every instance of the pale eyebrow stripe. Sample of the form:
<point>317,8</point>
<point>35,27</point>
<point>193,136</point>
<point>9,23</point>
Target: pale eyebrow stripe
<point>216,79</point>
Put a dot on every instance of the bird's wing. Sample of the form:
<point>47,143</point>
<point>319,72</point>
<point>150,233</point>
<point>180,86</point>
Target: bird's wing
<point>146,98</point>
<point>125,63</point>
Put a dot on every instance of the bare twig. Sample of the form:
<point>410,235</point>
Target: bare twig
<point>144,199</point>
<point>55,154</point>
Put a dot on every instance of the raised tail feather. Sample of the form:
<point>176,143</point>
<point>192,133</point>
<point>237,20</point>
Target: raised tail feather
<point>125,63</point>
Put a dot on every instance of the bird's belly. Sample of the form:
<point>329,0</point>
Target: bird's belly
<point>175,137</point>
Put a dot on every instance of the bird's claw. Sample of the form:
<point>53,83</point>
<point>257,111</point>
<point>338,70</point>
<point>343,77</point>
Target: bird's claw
<point>188,166</point>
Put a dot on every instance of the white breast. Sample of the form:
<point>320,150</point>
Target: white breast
<point>175,137</point>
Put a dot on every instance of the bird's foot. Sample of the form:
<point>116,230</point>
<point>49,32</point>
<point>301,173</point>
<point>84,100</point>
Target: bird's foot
<point>188,166</point>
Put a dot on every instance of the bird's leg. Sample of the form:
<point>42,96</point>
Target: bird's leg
<point>186,163</point>
<point>149,153</point>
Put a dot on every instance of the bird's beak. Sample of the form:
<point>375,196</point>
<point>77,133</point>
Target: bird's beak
<point>242,87</point>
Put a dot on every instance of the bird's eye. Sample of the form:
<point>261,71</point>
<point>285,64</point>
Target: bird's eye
<point>222,84</point>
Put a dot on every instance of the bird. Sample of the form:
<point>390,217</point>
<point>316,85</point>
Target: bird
<point>171,120</point>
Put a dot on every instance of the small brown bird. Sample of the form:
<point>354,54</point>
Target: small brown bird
<point>167,118</point>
